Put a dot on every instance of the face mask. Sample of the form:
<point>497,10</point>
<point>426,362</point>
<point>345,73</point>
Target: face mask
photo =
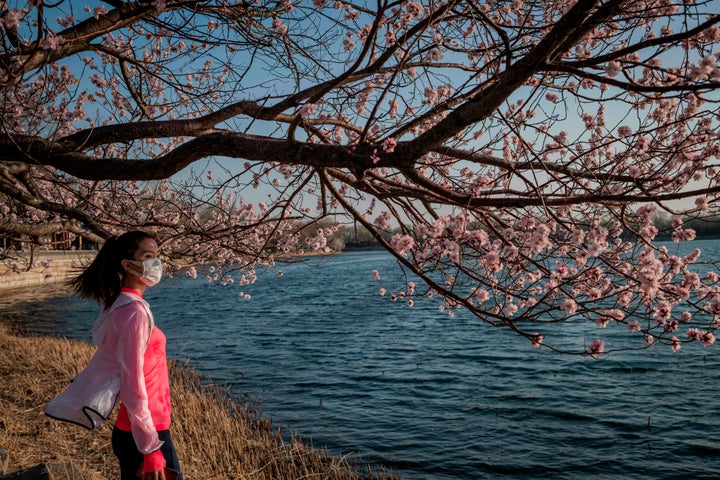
<point>152,271</point>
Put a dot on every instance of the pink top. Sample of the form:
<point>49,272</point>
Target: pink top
<point>156,388</point>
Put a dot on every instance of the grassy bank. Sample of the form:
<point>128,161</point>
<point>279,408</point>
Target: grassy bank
<point>215,437</point>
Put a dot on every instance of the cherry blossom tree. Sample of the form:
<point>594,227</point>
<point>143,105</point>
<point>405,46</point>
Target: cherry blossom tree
<point>520,149</point>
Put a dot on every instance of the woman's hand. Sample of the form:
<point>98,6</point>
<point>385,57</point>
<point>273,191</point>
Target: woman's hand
<point>156,475</point>
<point>153,467</point>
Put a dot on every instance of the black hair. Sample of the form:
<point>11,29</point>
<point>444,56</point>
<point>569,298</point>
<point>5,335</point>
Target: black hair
<point>102,279</point>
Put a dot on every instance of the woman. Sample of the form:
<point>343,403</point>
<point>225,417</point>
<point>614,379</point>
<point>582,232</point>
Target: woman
<point>130,363</point>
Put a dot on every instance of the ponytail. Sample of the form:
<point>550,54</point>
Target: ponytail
<point>102,279</point>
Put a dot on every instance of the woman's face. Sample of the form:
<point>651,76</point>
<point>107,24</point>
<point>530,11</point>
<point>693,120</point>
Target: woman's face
<point>147,249</point>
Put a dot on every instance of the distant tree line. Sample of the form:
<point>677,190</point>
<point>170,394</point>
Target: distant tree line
<point>357,237</point>
<point>704,226</point>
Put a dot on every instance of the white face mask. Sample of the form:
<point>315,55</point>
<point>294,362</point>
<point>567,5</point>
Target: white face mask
<point>152,271</point>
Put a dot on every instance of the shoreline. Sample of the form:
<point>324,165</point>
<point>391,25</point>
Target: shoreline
<point>216,437</point>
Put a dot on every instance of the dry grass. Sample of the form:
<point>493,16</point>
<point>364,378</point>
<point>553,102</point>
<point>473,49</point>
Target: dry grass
<point>215,437</point>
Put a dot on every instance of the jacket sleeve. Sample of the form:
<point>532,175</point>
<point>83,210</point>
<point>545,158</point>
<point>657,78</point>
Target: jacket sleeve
<point>134,333</point>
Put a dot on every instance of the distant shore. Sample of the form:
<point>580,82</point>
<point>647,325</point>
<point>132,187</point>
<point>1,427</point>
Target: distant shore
<point>216,438</point>
<point>48,268</point>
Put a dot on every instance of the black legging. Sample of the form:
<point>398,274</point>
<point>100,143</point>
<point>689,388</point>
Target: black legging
<point>131,460</point>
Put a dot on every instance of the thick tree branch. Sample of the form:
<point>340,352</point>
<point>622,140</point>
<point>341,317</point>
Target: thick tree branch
<point>571,25</point>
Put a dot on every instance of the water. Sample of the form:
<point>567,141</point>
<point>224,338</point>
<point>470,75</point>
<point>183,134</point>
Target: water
<point>429,396</point>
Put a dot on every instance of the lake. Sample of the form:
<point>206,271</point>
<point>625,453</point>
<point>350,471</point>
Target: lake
<point>424,394</point>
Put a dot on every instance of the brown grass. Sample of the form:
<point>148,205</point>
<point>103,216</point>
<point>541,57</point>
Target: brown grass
<point>216,438</point>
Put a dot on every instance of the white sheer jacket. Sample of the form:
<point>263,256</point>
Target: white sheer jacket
<point>115,371</point>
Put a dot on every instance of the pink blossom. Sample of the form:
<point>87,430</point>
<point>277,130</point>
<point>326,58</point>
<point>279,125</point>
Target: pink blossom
<point>715,308</point>
<point>683,235</point>
<point>481,295</point>
<point>402,243</point>
<point>99,11</point>
<point>11,19</point>
<point>410,303</point>
<point>382,292</point>
<point>394,106</point>
<point>704,70</point>
<point>536,340</point>
<point>614,314</point>
<point>708,339</point>
<point>364,32</point>
<point>452,250</point>
<point>624,131</point>
<point>569,306</point>
<point>662,311</point>
<point>540,238</point>
<point>613,68</point>
<point>690,258</point>
<point>389,145</point>
<point>414,8</point>
<point>376,275</point>
<point>317,242</point>
<point>711,34</point>
<point>65,21</point>
<point>360,106</point>
<point>279,26</point>
<point>51,42</point>
<point>633,326</point>
<point>491,260</point>
<point>383,220</point>
<point>702,204</point>
<point>596,348</point>
<point>675,344</point>
<point>694,334</point>
<point>348,44</point>
<point>671,326</point>
<point>624,298</point>
<point>649,272</point>
<point>648,232</point>
<point>577,236</point>
<point>642,144</point>
<point>308,109</point>
<point>431,96</point>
